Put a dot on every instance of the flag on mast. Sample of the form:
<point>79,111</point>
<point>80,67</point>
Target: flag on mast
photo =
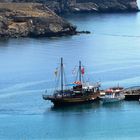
<point>83,70</point>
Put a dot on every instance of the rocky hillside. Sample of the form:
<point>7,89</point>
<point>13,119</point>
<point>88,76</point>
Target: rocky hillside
<point>106,5</point>
<point>31,19</point>
<point>21,18</point>
<point>60,6</point>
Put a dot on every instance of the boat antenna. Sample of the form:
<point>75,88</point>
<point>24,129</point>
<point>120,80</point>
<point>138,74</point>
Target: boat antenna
<point>62,84</point>
<point>80,75</point>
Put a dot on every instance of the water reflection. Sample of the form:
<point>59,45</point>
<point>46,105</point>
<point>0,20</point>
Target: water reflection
<point>87,107</point>
<point>113,105</point>
<point>77,108</point>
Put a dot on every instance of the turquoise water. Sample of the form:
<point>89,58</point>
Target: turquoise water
<point>110,55</point>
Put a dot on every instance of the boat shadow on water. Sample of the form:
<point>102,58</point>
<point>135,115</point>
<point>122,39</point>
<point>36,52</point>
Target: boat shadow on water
<point>87,107</point>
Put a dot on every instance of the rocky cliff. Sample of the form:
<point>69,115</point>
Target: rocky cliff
<point>60,6</point>
<point>31,19</point>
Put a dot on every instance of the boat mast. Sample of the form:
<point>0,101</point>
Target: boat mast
<point>80,75</point>
<point>62,75</point>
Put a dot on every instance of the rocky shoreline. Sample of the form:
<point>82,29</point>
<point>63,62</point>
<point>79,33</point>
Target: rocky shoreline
<point>21,18</point>
<point>112,5</point>
<point>105,7</point>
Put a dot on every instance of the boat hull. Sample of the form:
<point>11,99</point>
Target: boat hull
<point>111,100</point>
<point>67,101</point>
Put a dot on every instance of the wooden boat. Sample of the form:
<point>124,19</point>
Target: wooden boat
<point>79,93</point>
<point>111,95</point>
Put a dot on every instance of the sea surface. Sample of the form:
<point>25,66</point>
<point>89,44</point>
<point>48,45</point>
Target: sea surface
<point>110,55</point>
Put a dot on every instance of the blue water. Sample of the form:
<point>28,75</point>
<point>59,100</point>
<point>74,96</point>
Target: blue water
<point>110,54</point>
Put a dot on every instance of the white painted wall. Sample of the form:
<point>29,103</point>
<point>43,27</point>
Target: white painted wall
<point>138,1</point>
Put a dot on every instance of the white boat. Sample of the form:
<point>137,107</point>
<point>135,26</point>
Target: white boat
<point>113,95</point>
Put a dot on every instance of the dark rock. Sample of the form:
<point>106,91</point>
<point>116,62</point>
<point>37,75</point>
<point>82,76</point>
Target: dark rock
<point>83,32</point>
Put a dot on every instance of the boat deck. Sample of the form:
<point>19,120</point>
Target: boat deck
<point>65,100</point>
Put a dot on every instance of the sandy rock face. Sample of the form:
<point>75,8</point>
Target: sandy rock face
<point>31,19</point>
